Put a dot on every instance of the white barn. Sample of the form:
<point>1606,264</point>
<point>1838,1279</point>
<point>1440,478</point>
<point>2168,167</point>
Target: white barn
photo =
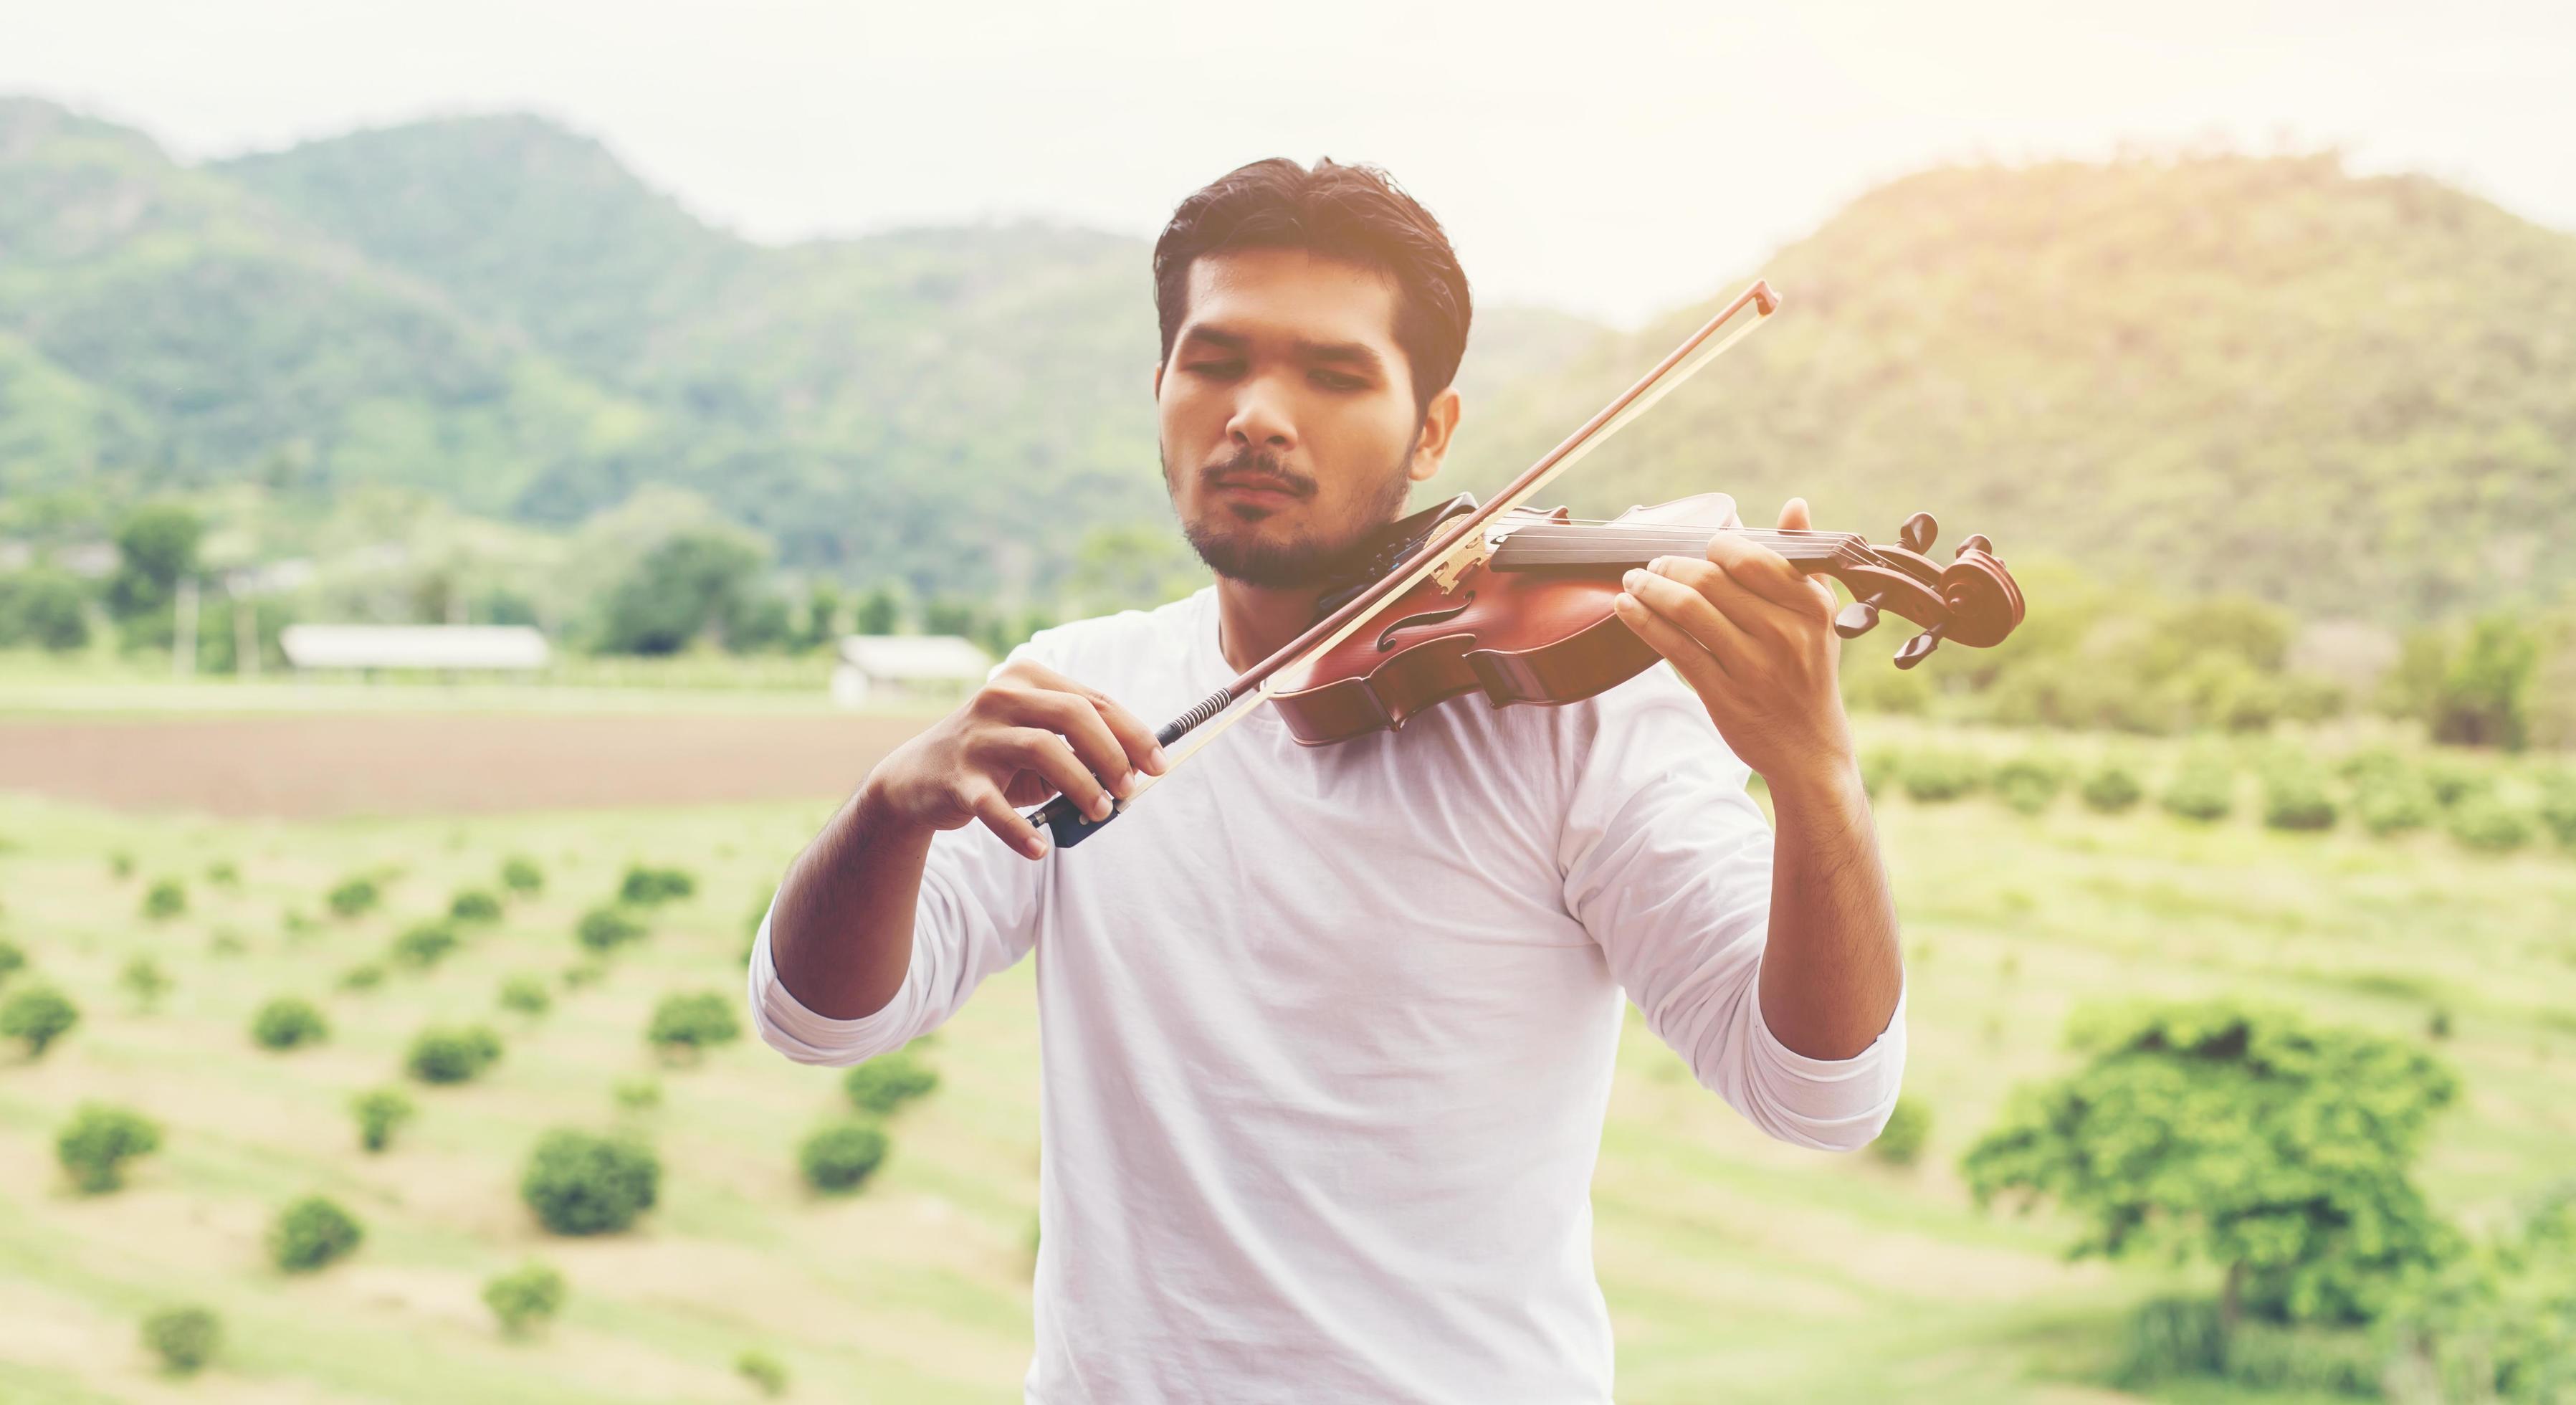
<point>898,667</point>
<point>509,648</point>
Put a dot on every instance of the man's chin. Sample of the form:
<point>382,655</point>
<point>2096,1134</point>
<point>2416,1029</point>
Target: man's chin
<point>1271,560</point>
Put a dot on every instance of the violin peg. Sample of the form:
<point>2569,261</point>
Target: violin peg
<point>1918,648</point>
<point>1977,542</point>
<point>1857,618</point>
<point>1917,532</point>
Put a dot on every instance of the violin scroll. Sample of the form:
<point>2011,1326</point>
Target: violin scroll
<point>1972,600</point>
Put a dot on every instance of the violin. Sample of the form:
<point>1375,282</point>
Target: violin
<point>1514,602</point>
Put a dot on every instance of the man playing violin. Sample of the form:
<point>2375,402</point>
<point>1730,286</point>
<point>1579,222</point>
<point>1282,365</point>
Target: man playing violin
<point>1327,1033</point>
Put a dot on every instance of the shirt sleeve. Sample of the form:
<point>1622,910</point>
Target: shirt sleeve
<point>978,915</point>
<point>1667,864</point>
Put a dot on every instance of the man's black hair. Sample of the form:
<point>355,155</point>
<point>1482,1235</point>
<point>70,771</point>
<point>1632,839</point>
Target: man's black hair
<point>1356,214</point>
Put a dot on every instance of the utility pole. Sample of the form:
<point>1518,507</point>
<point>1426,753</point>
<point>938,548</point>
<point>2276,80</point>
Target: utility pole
<point>183,641</point>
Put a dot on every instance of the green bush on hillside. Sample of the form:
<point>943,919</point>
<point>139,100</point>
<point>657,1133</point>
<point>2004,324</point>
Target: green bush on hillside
<point>184,1338</point>
<point>12,959</point>
<point>2295,798</point>
<point>2482,822</point>
<point>767,1373</point>
<point>607,928</point>
<point>1908,1131</point>
<point>354,897</point>
<point>2393,801</point>
<point>423,945</point>
<point>366,975</point>
<point>527,995</point>
<point>312,1234</point>
<point>288,1022</point>
<point>441,1055</point>
<point>223,873</point>
<point>473,905</point>
<point>95,1145</point>
<point>144,980</point>
<point>2029,783</point>
<point>887,1082</point>
<point>580,1183</point>
<point>166,898</point>
<point>2203,788</point>
<point>380,1112</point>
<point>690,1023</point>
<point>526,1298</point>
<point>2455,778</point>
<point>37,1016</point>
<point>1932,776</point>
<point>521,876</point>
<point>649,887</point>
<point>2110,789</point>
<point>2558,806</point>
<point>839,1158</point>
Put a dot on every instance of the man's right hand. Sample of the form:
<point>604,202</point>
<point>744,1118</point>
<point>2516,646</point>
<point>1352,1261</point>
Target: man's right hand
<point>1028,734</point>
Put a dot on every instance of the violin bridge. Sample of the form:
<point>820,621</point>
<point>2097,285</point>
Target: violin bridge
<point>1466,556</point>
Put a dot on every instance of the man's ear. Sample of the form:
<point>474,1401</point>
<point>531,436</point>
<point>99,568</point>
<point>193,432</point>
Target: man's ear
<point>1158,382</point>
<point>1439,425</point>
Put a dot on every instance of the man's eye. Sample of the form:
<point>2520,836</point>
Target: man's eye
<point>1335,380</point>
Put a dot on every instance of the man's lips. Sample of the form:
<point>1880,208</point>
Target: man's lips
<point>1258,486</point>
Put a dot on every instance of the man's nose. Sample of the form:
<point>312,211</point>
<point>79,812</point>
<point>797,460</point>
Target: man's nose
<point>1261,417</point>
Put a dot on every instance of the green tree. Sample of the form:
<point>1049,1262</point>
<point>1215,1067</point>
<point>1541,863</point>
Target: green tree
<point>475,906</point>
<point>687,1024</point>
<point>887,1082</point>
<point>879,612</point>
<point>185,1338</point>
<point>288,1022</point>
<point>839,1157</point>
<point>822,614</point>
<point>95,1145</point>
<point>522,877</point>
<point>527,995</point>
<point>441,1055</point>
<point>380,1112</point>
<point>37,1016</point>
<point>46,608</point>
<point>580,1183</point>
<point>693,582</point>
<point>607,928</point>
<point>312,1234</point>
<point>526,1298</point>
<point>2242,1136</point>
<point>156,544</point>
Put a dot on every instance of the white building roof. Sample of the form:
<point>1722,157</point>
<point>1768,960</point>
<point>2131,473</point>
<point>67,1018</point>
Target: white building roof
<point>413,646</point>
<point>928,657</point>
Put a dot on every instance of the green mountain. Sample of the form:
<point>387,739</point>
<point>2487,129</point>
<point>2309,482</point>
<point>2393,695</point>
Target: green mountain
<point>2355,396</point>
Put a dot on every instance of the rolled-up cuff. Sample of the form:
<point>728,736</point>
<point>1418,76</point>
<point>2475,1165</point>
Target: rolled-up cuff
<point>1828,1104</point>
<point>808,1038</point>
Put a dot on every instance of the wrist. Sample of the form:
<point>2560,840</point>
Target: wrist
<point>1823,782</point>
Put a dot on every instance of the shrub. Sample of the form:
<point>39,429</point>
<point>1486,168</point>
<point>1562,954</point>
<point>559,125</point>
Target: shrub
<point>423,945</point>
<point>166,898</point>
<point>144,979</point>
<point>286,1022</point>
<point>579,1183</point>
<point>226,943</point>
<point>99,1140</point>
<point>2558,806</point>
<point>1939,775</point>
<point>1909,1127</point>
<point>36,1017</point>
<point>120,865</point>
<point>606,929</point>
<point>223,874</point>
<point>2393,801</point>
<point>839,1157</point>
<point>525,1298</point>
<point>2454,780</point>
<point>2028,783</point>
<point>2111,789</point>
<point>521,876</point>
<point>586,972</point>
<point>2485,823</point>
<point>312,1234</point>
<point>2294,798</point>
<point>888,1081</point>
<point>692,1022</point>
<point>639,1094</point>
<point>474,905</point>
<point>441,1055</point>
<point>355,897</point>
<point>12,959</point>
<point>381,1112</point>
<point>366,975</point>
<point>766,1373</point>
<point>526,994</point>
<point>185,1338</point>
<point>649,887</point>
<point>2203,789</point>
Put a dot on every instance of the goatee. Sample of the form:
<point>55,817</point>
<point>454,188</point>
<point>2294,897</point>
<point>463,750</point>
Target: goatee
<point>1287,565</point>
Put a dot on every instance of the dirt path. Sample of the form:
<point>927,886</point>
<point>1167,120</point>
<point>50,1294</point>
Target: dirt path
<point>407,764</point>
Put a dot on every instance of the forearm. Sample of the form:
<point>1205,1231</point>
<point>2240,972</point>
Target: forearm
<point>841,928</point>
<point>1831,971</point>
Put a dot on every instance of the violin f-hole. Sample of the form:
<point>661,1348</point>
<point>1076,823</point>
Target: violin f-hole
<point>1386,636</point>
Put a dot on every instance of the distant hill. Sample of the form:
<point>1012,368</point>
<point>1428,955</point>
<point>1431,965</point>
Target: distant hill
<point>2351,395</point>
<point>2357,396</point>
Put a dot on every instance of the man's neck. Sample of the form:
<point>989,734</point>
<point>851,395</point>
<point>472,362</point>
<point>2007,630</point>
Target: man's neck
<point>1254,622</point>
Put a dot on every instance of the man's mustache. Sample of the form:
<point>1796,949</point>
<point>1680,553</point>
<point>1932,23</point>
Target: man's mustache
<point>1259,463</point>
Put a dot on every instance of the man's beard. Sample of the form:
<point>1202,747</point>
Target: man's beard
<point>1289,565</point>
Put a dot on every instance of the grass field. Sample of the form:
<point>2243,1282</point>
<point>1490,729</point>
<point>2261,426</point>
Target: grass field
<point>1735,1268</point>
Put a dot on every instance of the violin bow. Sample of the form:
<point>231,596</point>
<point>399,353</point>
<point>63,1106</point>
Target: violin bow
<point>1456,548</point>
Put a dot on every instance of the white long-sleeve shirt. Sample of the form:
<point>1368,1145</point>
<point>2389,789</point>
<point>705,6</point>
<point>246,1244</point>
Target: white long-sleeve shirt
<point>1326,1034</point>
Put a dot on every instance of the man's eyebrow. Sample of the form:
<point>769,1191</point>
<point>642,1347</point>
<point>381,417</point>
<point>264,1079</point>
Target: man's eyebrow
<point>1342,353</point>
<point>1228,341</point>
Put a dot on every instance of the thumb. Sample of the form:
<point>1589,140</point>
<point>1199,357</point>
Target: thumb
<point>1793,515</point>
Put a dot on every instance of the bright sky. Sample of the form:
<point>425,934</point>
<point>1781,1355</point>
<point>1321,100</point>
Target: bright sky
<point>1611,156</point>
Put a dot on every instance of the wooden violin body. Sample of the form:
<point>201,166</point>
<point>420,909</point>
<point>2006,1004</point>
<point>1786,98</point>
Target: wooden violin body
<point>1531,621</point>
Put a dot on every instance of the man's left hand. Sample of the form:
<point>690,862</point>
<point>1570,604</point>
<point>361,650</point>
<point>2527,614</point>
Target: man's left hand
<point>1753,636</point>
